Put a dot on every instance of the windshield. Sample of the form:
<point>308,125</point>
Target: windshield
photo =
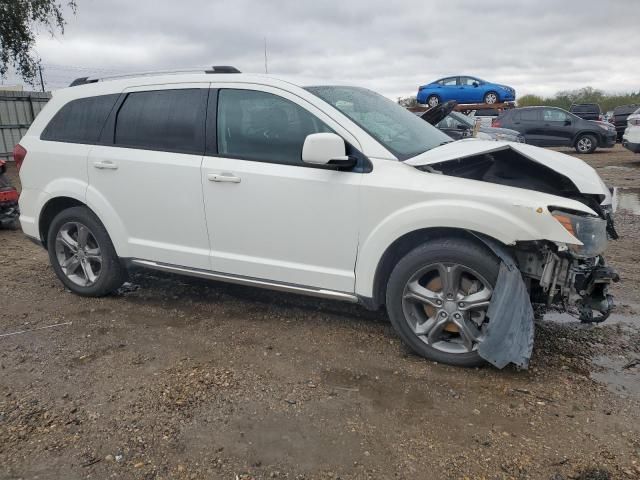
<point>398,130</point>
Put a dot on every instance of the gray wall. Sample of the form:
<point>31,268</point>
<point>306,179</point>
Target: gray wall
<point>17,111</point>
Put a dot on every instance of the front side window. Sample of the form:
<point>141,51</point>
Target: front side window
<point>260,126</point>
<point>401,132</point>
<point>167,120</point>
<point>553,115</point>
<point>80,121</point>
<point>468,81</point>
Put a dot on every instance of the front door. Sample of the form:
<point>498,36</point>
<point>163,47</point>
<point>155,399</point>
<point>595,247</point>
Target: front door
<point>557,129</point>
<point>148,174</point>
<point>269,215</point>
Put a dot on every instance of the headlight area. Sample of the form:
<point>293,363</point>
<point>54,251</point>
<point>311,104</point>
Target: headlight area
<point>562,279</point>
<point>590,230</point>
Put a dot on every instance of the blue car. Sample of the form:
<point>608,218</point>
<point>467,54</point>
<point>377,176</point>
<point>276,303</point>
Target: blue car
<point>464,90</point>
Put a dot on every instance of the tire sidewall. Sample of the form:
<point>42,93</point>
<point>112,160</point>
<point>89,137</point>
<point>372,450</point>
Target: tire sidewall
<point>463,252</point>
<point>112,273</point>
<point>433,96</point>
<point>489,93</point>
<point>594,143</point>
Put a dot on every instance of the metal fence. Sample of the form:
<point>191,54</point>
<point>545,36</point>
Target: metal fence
<point>17,111</point>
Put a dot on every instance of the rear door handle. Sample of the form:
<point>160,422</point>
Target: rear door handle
<point>223,177</point>
<point>106,165</point>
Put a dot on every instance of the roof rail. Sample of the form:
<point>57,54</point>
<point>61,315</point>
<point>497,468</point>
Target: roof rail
<point>213,69</point>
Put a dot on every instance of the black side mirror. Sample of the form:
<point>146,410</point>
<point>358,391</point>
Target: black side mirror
<point>475,84</point>
<point>567,122</point>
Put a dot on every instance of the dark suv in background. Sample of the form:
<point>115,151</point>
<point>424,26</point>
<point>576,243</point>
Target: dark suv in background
<point>620,115</point>
<point>555,127</point>
<point>588,111</point>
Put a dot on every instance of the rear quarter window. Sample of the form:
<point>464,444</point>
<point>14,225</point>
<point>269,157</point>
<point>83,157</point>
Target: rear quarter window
<point>80,120</point>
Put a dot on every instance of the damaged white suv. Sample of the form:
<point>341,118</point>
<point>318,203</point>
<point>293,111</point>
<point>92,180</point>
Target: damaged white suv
<point>329,191</point>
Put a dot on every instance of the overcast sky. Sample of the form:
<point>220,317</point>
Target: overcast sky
<point>539,46</point>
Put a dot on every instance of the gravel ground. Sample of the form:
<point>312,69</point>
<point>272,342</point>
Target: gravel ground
<point>181,378</point>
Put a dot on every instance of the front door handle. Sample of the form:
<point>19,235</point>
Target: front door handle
<point>223,177</point>
<point>106,165</point>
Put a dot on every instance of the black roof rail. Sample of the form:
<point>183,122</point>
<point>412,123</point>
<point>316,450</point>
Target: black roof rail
<point>222,69</point>
<point>82,81</point>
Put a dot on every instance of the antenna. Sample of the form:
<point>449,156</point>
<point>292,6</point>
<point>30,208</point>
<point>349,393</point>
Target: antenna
<point>266,69</point>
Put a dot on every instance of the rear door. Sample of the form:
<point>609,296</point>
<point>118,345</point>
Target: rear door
<point>145,177</point>
<point>448,89</point>
<point>529,123</point>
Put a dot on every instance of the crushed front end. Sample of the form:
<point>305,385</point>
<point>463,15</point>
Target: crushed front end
<point>572,278</point>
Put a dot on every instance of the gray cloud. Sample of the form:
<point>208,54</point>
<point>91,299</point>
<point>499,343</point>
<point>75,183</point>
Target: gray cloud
<point>537,47</point>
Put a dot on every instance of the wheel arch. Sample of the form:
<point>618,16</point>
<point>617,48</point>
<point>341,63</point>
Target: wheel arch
<point>586,132</point>
<point>403,245</point>
<point>50,209</point>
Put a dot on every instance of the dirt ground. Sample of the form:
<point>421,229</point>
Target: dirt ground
<point>182,378</point>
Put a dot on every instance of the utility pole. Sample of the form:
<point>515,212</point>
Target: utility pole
<point>266,70</point>
<point>41,80</point>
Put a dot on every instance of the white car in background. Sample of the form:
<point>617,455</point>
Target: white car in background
<point>330,191</point>
<point>631,136</point>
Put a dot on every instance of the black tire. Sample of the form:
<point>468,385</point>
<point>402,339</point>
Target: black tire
<point>488,98</point>
<point>447,250</point>
<point>586,143</point>
<point>433,99</point>
<point>111,274</point>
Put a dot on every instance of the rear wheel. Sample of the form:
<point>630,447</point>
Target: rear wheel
<point>433,101</point>
<point>82,254</point>
<point>438,296</point>
<point>586,144</point>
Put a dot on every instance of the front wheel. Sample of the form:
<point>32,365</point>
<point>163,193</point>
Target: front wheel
<point>586,144</point>
<point>438,296</point>
<point>82,255</point>
<point>491,97</point>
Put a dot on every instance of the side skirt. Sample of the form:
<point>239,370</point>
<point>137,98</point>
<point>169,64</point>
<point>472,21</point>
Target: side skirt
<point>249,281</point>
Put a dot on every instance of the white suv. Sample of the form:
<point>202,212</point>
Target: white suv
<point>631,136</point>
<point>329,191</point>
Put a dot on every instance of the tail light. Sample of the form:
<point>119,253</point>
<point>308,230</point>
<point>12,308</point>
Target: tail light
<point>496,123</point>
<point>19,154</point>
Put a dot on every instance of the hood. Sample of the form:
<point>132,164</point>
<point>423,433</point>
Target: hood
<point>499,131</point>
<point>436,114</point>
<point>582,176</point>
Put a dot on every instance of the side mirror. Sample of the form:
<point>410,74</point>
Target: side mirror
<point>476,84</point>
<point>325,149</point>
<point>567,122</point>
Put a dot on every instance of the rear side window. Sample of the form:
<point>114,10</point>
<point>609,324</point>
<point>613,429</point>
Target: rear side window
<point>528,115</point>
<point>167,120</point>
<point>261,126</point>
<point>80,121</point>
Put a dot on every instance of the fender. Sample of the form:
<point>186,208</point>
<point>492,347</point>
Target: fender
<point>110,219</point>
<point>35,201</point>
<point>520,222</point>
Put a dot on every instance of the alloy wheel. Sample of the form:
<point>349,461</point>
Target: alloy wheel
<point>433,101</point>
<point>78,254</point>
<point>445,305</point>
<point>584,144</point>
<point>491,98</point>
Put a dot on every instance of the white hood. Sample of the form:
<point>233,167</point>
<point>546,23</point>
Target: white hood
<point>585,178</point>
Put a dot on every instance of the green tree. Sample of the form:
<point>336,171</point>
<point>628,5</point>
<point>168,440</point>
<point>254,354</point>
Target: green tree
<point>18,22</point>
